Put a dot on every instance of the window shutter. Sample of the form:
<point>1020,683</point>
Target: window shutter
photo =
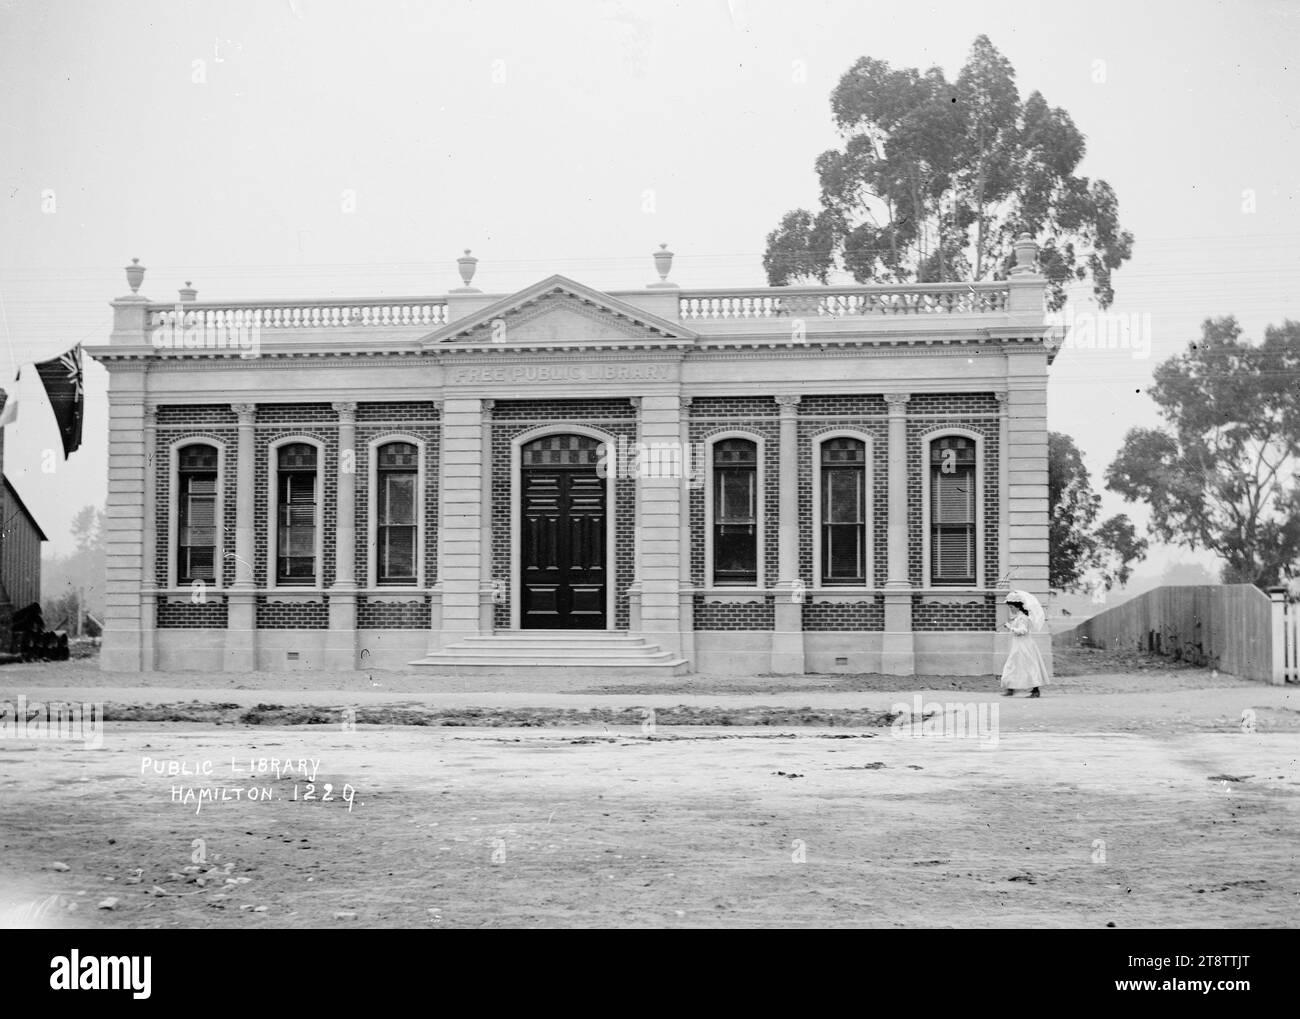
<point>954,554</point>
<point>954,497</point>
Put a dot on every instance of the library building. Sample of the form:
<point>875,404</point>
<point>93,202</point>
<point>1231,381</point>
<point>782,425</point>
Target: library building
<point>652,480</point>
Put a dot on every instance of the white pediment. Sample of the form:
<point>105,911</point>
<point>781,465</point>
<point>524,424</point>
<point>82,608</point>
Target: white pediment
<point>556,318</point>
<point>558,311</point>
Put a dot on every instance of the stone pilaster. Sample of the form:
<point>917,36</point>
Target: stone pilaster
<point>341,641</point>
<point>621,465</point>
<point>148,600</point>
<point>659,513</point>
<point>787,636</point>
<point>461,538</point>
<point>898,648</point>
<point>123,513</point>
<point>486,605</point>
<point>1004,530</point>
<point>1026,458</point>
<point>685,589</point>
<point>241,599</point>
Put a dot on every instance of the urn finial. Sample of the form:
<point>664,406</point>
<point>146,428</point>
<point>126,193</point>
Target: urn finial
<point>467,264</point>
<point>663,265</point>
<point>188,293</point>
<point>1026,249</point>
<point>135,275</point>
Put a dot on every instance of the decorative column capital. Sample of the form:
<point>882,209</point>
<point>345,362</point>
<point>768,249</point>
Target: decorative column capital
<point>635,401</point>
<point>245,412</point>
<point>437,406</point>
<point>347,413</point>
<point>897,402</point>
<point>487,407</point>
<point>1001,396</point>
<point>686,401</point>
<point>150,417</point>
<point>788,402</point>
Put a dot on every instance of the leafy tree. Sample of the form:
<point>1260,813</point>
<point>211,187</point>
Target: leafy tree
<point>1223,474</point>
<point>925,162</point>
<point>83,570</point>
<point>1079,545</point>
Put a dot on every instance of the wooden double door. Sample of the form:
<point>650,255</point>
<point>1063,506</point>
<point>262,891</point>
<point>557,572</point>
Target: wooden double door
<point>563,559</point>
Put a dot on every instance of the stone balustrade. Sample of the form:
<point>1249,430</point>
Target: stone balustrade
<point>843,301</point>
<point>409,311</point>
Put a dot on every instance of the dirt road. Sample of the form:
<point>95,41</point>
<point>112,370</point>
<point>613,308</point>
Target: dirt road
<point>1193,824</point>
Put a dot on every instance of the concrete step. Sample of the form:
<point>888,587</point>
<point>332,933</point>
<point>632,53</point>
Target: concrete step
<point>574,652</point>
<point>553,653</point>
<point>458,660</point>
<point>531,640</point>
<point>477,667</point>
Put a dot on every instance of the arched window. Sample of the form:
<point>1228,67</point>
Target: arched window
<point>296,472</point>
<point>735,512</point>
<point>952,510</point>
<point>844,511</point>
<point>196,504</point>
<point>397,521</point>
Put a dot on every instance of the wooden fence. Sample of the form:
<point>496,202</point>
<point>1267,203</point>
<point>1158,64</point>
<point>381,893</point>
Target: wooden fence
<point>1235,628</point>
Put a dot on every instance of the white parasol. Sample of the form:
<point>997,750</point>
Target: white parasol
<point>1037,615</point>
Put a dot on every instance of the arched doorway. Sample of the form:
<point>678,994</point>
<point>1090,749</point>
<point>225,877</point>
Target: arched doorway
<point>563,562</point>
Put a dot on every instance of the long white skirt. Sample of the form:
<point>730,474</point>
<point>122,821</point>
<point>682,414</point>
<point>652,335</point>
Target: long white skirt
<point>1025,668</point>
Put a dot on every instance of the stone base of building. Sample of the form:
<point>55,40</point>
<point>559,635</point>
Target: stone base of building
<point>729,652</point>
<point>930,653</point>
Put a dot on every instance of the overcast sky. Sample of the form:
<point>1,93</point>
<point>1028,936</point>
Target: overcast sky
<point>215,142</point>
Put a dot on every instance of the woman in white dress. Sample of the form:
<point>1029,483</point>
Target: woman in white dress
<point>1025,669</point>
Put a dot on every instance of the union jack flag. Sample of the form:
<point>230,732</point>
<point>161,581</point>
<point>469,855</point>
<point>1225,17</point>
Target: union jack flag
<point>63,386</point>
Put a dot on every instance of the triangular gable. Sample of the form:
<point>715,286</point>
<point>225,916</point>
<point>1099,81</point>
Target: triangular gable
<point>559,309</point>
<point>23,506</point>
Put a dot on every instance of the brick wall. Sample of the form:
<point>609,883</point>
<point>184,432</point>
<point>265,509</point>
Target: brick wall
<point>187,414</point>
<point>952,403</point>
<point>845,615</point>
<point>707,416</point>
<point>292,615</point>
<point>734,615</point>
<point>211,615</point>
<point>375,615</point>
<point>964,616</point>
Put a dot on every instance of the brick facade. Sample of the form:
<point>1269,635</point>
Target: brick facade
<point>818,415</point>
<point>380,615</point>
<point>208,615</point>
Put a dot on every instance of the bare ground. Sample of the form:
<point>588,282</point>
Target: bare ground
<point>1138,801</point>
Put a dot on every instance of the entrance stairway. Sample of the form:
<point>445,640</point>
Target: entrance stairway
<point>571,652</point>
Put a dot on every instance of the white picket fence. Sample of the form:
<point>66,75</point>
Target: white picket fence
<point>1286,638</point>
